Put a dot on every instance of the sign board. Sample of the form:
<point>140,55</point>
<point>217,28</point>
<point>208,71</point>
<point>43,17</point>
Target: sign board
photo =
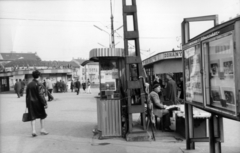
<point>108,80</point>
<point>108,75</point>
<point>163,56</point>
<point>212,73</point>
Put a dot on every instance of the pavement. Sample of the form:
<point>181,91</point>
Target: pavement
<point>71,119</point>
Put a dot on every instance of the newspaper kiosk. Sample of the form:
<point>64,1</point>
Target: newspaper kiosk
<point>108,103</point>
<point>212,72</point>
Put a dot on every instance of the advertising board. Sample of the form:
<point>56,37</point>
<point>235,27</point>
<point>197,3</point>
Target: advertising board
<point>212,73</point>
<point>108,75</point>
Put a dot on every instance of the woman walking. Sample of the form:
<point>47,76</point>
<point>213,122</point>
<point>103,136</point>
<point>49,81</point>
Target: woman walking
<point>36,103</point>
<point>89,86</point>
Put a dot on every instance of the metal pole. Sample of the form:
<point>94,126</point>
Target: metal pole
<point>105,32</point>
<point>112,29</point>
<point>215,131</point>
<point>85,73</point>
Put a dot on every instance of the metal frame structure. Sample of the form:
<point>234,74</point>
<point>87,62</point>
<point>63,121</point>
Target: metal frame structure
<point>216,120</point>
<point>134,69</point>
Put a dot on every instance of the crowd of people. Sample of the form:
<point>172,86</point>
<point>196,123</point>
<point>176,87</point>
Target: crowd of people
<point>76,86</point>
<point>60,86</point>
<point>49,87</point>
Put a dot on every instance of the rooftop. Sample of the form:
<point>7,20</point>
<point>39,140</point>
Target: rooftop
<point>14,56</point>
<point>37,63</point>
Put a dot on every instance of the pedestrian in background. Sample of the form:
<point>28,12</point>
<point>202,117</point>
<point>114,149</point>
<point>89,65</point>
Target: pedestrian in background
<point>57,86</point>
<point>49,86</point>
<point>180,86</point>
<point>78,86</point>
<point>88,86</point>
<point>45,87</point>
<point>61,86</point>
<point>36,103</point>
<point>22,86</point>
<point>171,90</point>
<point>64,86</point>
<point>72,85</point>
<point>17,88</point>
<point>84,86</point>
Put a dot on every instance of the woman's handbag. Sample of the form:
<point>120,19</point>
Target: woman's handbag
<point>26,117</point>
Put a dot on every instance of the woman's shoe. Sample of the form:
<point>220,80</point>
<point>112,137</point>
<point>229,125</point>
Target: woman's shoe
<point>44,133</point>
<point>34,134</point>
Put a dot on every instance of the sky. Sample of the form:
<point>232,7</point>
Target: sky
<point>65,29</point>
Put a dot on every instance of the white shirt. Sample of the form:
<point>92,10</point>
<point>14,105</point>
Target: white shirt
<point>49,84</point>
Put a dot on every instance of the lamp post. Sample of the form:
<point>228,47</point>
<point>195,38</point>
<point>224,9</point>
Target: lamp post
<point>112,28</point>
<point>111,37</point>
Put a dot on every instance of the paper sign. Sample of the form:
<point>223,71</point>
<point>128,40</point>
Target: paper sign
<point>189,52</point>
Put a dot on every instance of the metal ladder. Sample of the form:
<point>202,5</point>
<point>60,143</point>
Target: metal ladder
<point>134,69</point>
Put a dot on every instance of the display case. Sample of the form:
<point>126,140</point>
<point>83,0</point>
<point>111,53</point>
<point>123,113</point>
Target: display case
<point>212,70</point>
<point>219,63</point>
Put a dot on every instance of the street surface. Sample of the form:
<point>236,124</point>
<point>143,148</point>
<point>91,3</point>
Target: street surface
<point>71,119</point>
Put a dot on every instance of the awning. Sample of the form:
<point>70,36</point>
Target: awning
<point>168,66</point>
<point>106,52</point>
<point>86,62</point>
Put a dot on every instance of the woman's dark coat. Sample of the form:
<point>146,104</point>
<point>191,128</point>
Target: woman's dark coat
<point>35,100</point>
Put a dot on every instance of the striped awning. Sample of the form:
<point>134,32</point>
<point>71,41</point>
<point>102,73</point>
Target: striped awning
<point>106,52</point>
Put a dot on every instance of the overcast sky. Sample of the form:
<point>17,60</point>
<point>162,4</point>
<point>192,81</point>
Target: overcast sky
<point>64,29</point>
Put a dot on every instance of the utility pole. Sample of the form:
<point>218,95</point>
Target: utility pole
<point>112,29</point>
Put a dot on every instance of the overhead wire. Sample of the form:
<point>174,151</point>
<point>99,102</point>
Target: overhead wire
<point>49,20</point>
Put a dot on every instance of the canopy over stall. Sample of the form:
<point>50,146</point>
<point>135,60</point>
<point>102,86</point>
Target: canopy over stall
<point>97,53</point>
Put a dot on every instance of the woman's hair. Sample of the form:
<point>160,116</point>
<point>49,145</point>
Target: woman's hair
<point>36,74</point>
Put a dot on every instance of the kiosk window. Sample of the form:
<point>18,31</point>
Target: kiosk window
<point>109,78</point>
<point>220,73</point>
<point>193,76</point>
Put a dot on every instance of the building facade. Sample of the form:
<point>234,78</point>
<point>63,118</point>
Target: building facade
<point>23,68</point>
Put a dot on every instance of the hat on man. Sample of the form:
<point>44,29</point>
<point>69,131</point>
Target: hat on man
<point>155,86</point>
<point>170,74</point>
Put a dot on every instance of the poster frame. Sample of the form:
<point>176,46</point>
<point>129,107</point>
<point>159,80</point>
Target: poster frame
<point>233,25</point>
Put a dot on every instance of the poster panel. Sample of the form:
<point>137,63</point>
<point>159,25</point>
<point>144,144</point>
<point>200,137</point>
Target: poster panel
<point>108,80</point>
<point>109,74</point>
<point>220,74</point>
<point>192,74</point>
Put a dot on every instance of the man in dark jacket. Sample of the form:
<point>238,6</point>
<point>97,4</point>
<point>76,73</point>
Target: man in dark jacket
<point>17,88</point>
<point>22,87</point>
<point>158,107</point>
<point>171,90</point>
<point>36,103</point>
<point>72,85</point>
<point>78,86</point>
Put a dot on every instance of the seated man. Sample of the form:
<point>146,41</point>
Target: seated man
<point>158,108</point>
